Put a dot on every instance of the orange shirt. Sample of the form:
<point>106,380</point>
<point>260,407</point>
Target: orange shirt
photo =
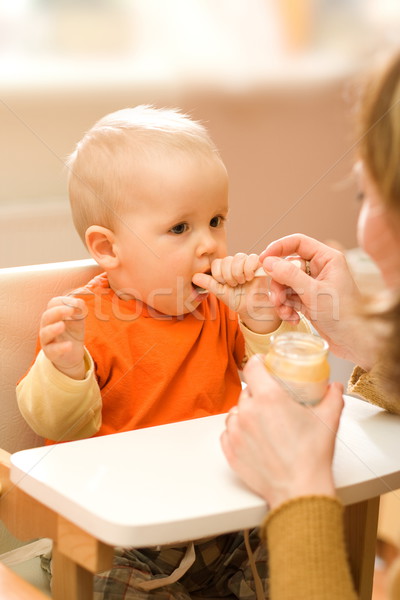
<point>154,369</point>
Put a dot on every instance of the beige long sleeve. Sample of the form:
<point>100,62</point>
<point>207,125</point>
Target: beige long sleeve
<point>307,553</point>
<point>58,407</point>
<point>258,343</point>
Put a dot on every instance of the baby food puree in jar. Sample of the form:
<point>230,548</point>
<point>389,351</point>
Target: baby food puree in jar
<point>299,362</point>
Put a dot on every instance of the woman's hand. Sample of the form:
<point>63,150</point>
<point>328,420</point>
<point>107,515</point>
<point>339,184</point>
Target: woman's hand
<point>280,448</point>
<point>328,296</point>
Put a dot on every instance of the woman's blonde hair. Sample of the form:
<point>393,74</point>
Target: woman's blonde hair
<point>114,149</point>
<point>380,131</point>
<point>379,149</point>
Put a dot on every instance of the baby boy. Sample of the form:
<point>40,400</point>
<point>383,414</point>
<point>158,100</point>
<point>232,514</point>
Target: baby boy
<point>142,344</point>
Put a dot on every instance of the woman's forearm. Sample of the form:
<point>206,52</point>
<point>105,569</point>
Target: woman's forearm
<point>307,552</point>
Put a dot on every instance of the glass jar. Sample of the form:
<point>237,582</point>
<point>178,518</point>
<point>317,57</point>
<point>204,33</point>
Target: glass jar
<point>299,362</point>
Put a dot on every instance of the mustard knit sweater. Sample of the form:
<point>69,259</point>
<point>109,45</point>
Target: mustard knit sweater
<point>307,554</point>
<point>305,536</point>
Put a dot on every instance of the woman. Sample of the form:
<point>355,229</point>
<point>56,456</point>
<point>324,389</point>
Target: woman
<point>304,529</point>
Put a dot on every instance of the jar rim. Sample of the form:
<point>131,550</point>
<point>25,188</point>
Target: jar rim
<point>299,345</point>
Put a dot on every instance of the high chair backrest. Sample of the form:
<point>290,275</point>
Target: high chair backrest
<point>24,294</point>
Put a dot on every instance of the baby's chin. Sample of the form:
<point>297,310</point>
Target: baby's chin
<point>181,307</point>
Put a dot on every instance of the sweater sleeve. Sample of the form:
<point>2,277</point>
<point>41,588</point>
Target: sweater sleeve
<point>258,343</point>
<point>56,406</point>
<point>307,553</point>
<point>371,386</point>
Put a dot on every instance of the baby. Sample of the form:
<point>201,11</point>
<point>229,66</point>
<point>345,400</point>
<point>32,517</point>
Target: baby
<point>142,344</point>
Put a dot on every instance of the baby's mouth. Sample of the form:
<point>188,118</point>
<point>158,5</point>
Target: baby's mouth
<point>199,289</point>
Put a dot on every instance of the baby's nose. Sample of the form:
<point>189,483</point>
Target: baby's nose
<point>207,244</point>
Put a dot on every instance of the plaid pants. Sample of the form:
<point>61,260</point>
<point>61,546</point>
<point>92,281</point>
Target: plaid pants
<point>221,569</point>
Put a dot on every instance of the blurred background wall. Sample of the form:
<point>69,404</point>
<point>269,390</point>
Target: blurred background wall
<point>275,81</point>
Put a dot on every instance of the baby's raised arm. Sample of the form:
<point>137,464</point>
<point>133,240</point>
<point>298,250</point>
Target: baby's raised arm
<point>62,334</point>
<point>59,396</point>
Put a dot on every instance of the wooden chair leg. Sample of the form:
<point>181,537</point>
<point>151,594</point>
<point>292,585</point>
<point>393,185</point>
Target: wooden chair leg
<point>77,555</point>
<point>70,580</point>
<point>361,523</point>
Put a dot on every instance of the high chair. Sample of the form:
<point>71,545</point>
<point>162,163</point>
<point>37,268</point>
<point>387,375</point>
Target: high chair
<point>79,553</point>
<point>24,294</point>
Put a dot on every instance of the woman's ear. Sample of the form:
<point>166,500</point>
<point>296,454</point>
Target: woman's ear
<point>100,242</point>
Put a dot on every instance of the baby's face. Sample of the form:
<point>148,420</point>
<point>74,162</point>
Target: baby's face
<point>176,230</point>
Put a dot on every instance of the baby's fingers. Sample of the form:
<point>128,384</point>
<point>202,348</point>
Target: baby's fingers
<point>216,270</point>
<point>56,351</point>
<point>237,270</point>
<point>251,265</point>
<point>243,267</point>
<point>62,313</point>
<point>49,333</point>
<point>286,302</point>
<point>56,314</point>
<point>226,270</point>
<point>221,270</point>
<point>63,308</point>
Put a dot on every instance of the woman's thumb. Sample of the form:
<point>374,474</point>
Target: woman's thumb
<point>287,273</point>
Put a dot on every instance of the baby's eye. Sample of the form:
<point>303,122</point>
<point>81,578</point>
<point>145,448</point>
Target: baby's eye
<point>217,221</point>
<point>179,229</point>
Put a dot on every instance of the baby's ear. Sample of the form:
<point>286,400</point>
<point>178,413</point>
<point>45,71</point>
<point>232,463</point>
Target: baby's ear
<point>101,245</point>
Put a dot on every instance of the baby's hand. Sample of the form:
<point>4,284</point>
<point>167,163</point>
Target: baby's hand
<point>62,333</point>
<point>233,281</point>
<point>235,270</point>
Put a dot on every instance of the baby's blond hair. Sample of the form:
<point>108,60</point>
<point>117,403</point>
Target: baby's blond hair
<point>104,160</point>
